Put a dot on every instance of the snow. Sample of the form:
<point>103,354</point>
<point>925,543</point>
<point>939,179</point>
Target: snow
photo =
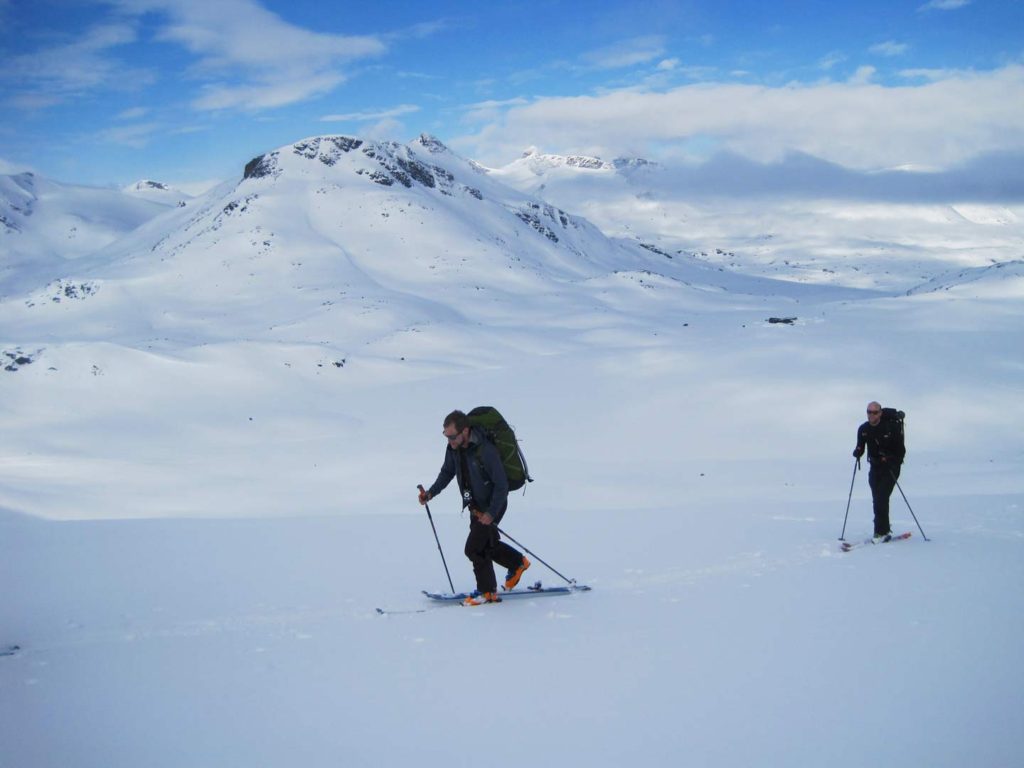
<point>209,468</point>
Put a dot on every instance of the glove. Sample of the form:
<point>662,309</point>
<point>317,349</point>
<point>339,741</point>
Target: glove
<point>484,518</point>
<point>424,495</point>
<point>858,452</point>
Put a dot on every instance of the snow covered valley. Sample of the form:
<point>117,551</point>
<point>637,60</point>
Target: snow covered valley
<point>215,419</point>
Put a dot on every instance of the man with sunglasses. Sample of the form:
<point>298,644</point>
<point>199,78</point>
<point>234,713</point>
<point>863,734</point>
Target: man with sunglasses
<point>473,459</point>
<point>884,442</point>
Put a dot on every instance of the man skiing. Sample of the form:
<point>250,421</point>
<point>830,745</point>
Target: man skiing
<point>886,450</point>
<point>474,461</point>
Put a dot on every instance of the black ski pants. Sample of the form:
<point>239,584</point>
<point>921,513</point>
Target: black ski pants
<point>484,548</point>
<point>882,479</point>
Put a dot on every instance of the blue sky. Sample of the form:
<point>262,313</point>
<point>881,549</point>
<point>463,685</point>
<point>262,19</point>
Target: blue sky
<point>186,91</point>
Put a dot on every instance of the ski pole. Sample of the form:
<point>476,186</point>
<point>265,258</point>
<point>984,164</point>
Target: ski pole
<point>431,519</point>
<point>856,466</point>
<point>570,582</point>
<point>895,480</point>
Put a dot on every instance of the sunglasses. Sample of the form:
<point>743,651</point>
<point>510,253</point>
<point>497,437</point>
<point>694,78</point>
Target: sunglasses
<point>873,413</point>
<point>452,438</point>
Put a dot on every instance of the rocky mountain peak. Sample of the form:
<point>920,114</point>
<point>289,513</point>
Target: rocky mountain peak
<point>431,144</point>
<point>145,185</point>
<point>631,163</point>
<point>585,162</point>
<point>382,162</point>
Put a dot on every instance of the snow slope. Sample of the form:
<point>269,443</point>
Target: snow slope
<point>886,231</point>
<point>208,474</point>
<point>44,224</point>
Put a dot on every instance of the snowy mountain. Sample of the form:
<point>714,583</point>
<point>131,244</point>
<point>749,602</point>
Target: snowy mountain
<point>340,241</point>
<point>743,216</point>
<point>1002,280</point>
<point>215,417</point>
<point>44,224</point>
<point>157,192</point>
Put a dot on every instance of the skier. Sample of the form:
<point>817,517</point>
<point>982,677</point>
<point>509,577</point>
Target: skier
<point>474,461</point>
<point>886,450</point>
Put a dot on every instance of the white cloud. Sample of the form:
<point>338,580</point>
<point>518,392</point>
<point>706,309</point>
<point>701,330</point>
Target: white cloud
<point>856,124</point>
<point>54,74</point>
<point>385,130</point>
<point>9,167</point>
<point>133,114</point>
<point>943,5</point>
<point>627,53</point>
<point>403,109</point>
<point>247,56</point>
<point>927,74</point>
<point>995,177</point>
<point>832,59</point>
<point>275,90</point>
<point>134,136</point>
<point>889,48</point>
<point>487,111</point>
<point>422,30</point>
<point>862,76</point>
<point>33,101</point>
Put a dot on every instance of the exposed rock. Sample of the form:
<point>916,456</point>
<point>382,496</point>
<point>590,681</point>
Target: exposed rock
<point>328,149</point>
<point>624,163</point>
<point>432,144</point>
<point>534,215</point>
<point>16,359</point>
<point>262,166</point>
<point>64,290</point>
<point>582,161</point>
<point>656,249</point>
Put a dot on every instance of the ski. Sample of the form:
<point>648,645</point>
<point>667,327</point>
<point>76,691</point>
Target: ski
<point>537,590</point>
<point>447,598</point>
<point>388,612</point>
<point>846,546</point>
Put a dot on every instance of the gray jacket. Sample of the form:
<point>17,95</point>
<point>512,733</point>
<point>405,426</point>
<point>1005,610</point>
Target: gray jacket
<point>487,482</point>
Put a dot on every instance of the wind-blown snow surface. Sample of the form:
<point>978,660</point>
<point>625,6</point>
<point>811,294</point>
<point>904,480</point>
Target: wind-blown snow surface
<point>207,487</point>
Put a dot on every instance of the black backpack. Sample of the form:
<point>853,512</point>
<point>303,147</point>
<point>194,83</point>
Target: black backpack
<point>497,430</point>
<point>892,416</point>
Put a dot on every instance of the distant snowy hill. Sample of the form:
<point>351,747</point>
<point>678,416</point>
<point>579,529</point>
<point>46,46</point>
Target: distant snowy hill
<point>44,224</point>
<point>1003,280</point>
<point>157,192</point>
<point>336,244</point>
<point>741,215</point>
<point>340,241</point>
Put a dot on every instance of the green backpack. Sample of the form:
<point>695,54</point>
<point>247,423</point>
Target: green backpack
<point>497,430</point>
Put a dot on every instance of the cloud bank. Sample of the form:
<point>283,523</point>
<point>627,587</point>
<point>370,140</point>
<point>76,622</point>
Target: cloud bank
<point>992,178</point>
<point>942,121</point>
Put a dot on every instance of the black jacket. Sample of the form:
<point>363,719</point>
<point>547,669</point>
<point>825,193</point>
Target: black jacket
<point>487,481</point>
<point>884,442</point>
